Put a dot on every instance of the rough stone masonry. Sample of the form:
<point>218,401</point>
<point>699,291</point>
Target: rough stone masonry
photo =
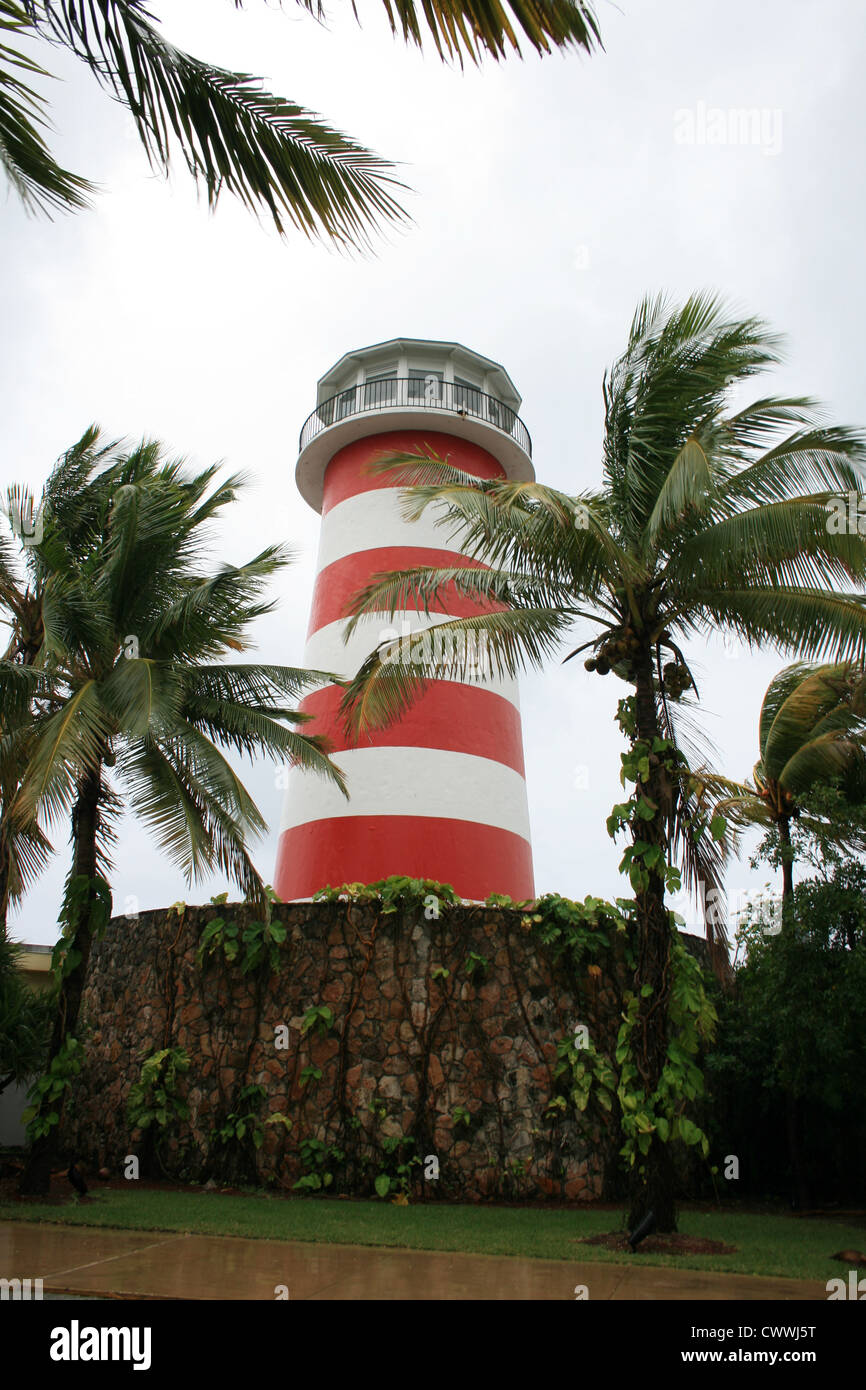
<point>442,1046</point>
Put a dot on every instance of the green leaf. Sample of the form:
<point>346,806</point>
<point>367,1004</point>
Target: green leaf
<point>382,1185</point>
<point>688,1131</point>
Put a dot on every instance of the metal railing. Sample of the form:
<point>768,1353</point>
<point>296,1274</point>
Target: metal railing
<point>424,393</point>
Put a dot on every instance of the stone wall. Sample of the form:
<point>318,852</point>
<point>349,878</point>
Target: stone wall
<point>460,1063</point>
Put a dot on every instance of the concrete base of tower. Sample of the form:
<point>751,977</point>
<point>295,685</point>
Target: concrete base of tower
<point>476,860</point>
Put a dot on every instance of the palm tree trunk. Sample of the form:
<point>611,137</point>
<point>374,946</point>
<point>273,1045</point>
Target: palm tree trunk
<point>85,825</point>
<point>787,859</point>
<point>4,882</point>
<point>25,650</point>
<point>652,1185</point>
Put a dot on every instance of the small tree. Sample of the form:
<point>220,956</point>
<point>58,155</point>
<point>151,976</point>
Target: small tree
<point>25,1020</point>
<point>812,735</point>
<point>787,1064</point>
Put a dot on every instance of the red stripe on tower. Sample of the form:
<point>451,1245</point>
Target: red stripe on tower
<point>339,582</point>
<point>441,792</point>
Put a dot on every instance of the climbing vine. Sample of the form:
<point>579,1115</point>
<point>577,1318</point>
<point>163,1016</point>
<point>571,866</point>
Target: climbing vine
<point>574,930</point>
<point>318,1019</point>
<point>254,946</point>
<point>84,898</point>
<point>245,1124</point>
<point>692,1019</point>
<point>577,932</point>
<point>153,1099</point>
<point>395,894</point>
<point>318,1161</point>
<point>49,1092</point>
<point>691,1014</point>
<point>398,1163</point>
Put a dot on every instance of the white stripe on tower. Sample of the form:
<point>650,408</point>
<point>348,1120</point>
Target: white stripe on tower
<point>377,519</point>
<point>326,650</point>
<point>427,782</point>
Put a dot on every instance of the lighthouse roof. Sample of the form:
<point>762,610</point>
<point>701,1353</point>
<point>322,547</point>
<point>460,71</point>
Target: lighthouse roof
<point>421,352</point>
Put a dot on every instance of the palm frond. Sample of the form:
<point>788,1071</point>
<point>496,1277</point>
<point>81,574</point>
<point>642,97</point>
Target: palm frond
<point>494,644</point>
<point>268,152</point>
<point>64,745</point>
<point>196,832</point>
<point>429,587</point>
<point>811,693</point>
<point>822,759</point>
<point>784,543</point>
<point>805,622</point>
<point>527,527</point>
<point>815,459</point>
<point>25,848</point>
<point>459,29</point>
<point>418,469</point>
<point>254,732</point>
<point>687,485</point>
<point>778,690</point>
<point>213,611</point>
<point>41,183</point>
<point>668,387</point>
<point>142,696</point>
<point>259,686</point>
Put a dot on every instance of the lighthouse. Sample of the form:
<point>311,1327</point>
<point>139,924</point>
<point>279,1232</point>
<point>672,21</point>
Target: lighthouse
<point>441,792</point>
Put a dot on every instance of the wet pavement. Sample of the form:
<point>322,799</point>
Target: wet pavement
<point>152,1264</point>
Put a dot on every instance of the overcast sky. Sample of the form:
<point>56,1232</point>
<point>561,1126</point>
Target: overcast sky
<point>549,196</point>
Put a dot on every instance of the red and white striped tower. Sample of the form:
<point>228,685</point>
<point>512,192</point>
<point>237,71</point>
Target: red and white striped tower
<point>441,793</point>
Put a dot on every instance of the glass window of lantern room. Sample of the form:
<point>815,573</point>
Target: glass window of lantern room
<point>425,387</point>
<point>346,404</point>
<point>467,396</point>
<point>380,389</point>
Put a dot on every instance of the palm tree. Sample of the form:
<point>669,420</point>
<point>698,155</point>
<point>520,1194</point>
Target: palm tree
<point>812,730</point>
<point>811,734</point>
<point>130,690</point>
<point>270,153</point>
<point>70,494</point>
<point>709,518</point>
<point>25,1020</point>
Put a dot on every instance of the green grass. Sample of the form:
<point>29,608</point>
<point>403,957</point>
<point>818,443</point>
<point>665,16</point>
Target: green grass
<point>767,1244</point>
